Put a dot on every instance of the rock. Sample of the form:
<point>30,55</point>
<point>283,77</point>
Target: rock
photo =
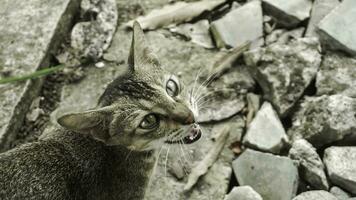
<point>266,131</point>
<point>288,13</point>
<point>316,195</point>
<point>337,75</point>
<point>243,193</point>
<point>90,39</point>
<point>338,28</point>
<point>285,71</point>
<point>320,9</point>
<point>339,193</point>
<point>30,31</point>
<point>323,120</point>
<point>198,33</point>
<point>283,36</point>
<point>311,167</point>
<point>273,177</point>
<point>240,26</point>
<point>340,163</point>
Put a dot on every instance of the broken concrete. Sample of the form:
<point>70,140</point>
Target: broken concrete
<point>339,193</point>
<point>321,8</point>
<point>338,28</point>
<point>340,163</point>
<point>316,195</point>
<point>273,177</point>
<point>288,13</point>
<point>323,120</point>
<point>337,75</point>
<point>285,71</point>
<point>30,31</point>
<point>243,193</point>
<point>266,131</point>
<point>241,25</point>
<point>311,167</point>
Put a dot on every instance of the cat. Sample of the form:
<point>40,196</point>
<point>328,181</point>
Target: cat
<point>87,158</point>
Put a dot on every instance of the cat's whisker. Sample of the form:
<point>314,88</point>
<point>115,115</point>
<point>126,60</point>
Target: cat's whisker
<point>128,154</point>
<point>207,81</point>
<point>165,163</point>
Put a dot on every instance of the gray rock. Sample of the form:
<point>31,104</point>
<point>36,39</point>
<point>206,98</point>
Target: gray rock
<point>288,13</point>
<point>91,39</point>
<point>273,177</point>
<point>337,75</point>
<point>30,31</point>
<point>339,193</point>
<point>315,195</point>
<point>323,120</point>
<point>239,26</point>
<point>266,131</point>
<point>338,28</point>
<point>198,33</point>
<point>243,193</point>
<point>282,36</point>
<point>340,163</point>
<point>310,164</point>
<point>320,9</point>
<point>284,71</point>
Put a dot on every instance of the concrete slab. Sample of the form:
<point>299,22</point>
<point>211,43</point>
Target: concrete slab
<point>30,31</point>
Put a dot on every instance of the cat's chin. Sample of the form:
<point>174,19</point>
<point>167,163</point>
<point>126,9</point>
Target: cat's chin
<point>193,136</point>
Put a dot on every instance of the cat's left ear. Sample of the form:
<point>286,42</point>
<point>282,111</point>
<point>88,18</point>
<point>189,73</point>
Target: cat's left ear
<point>93,122</point>
<point>140,53</point>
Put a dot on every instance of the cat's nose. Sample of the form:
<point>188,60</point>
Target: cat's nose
<point>190,119</point>
<point>184,116</point>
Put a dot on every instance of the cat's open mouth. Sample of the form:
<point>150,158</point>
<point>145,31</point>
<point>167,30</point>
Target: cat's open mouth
<point>193,136</point>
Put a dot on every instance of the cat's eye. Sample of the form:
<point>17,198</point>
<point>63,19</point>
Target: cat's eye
<point>150,121</point>
<point>172,87</point>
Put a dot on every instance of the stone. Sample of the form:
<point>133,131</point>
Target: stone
<point>340,163</point>
<point>273,177</point>
<point>337,75</point>
<point>239,26</point>
<point>316,195</point>
<point>338,28</point>
<point>283,36</point>
<point>339,193</point>
<point>321,8</point>
<point>91,38</point>
<point>323,120</point>
<point>243,193</point>
<point>288,13</point>
<point>284,71</point>
<point>266,132</point>
<point>311,167</point>
<point>198,33</point>
<point>29,31</point>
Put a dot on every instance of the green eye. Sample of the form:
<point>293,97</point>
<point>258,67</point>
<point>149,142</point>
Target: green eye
<point>150,121</point>
<point>172,88</point>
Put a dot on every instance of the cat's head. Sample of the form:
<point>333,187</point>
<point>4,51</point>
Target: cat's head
<point>140,109</point>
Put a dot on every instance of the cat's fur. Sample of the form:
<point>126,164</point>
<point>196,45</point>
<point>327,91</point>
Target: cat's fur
<point>105,153</point>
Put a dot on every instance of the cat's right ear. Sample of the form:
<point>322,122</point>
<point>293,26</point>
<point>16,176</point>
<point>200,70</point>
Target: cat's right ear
<point>93,122</point>
<point>141,54</point>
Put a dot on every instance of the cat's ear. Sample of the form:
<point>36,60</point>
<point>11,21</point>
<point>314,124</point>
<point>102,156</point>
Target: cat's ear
<point>140,53</point>
<point>93,122</point>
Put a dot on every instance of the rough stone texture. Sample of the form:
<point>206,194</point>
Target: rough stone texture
<point>239,26</point>
<point>288,13</point>
<point>176,56</point>
<point>30,31</point>
<point>282,36</point>
<point>311,167</point>
<point>338,29</point>
<point>90,39</point>
<point>339,193</point>
<point>266,131</point>
<point>273,177</point>
<point>284,71</point>
<point>243,193</point>
<point>320,9</point>
<point>337,75</point>
<point>340,163</point>
<point>323,120</point>
<point>316,195</point>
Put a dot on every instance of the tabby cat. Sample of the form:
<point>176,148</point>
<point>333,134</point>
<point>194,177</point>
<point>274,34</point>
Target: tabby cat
<point>87,158</point>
